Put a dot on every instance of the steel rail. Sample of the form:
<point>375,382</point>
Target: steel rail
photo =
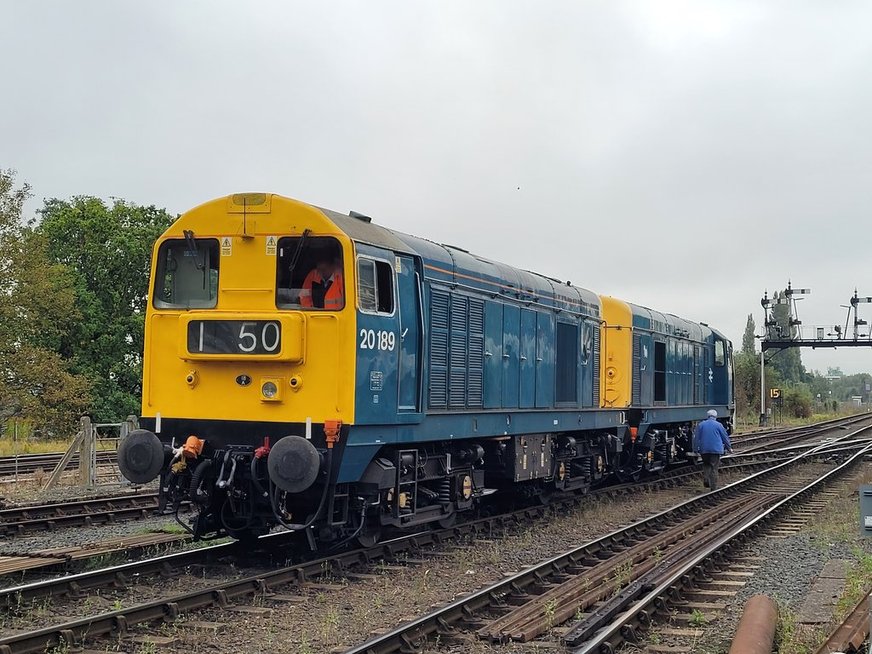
<point>598,581</point>
<point>83,512</point>
<point>65,507</point>
<point>46,588</point>
<point>117,621</point>
<point>74,584</point>
<point>806,432</point>
<point>622,627</point>
<point>29,463</point>
<point>849,636</point>
<point>765,433</point>
<point>440,620</point>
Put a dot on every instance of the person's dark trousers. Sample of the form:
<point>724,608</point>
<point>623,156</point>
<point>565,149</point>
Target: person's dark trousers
<point>710,464</point>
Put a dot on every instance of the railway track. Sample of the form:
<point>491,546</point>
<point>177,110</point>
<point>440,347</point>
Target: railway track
<point>262,581</point>
<point>760,442</point>
<point>612,589</point>
<point>30,463</point>
<point>25,520</point>
<point>768,432</point>
<point>851,634</point>
<point>29,519</point>
<point>61,558</point>
<point>89,512</point>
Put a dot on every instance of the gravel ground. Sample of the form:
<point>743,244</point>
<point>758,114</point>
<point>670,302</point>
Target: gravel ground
<point>788,570</point>
<point>791,564</point>
<point>347,612</point>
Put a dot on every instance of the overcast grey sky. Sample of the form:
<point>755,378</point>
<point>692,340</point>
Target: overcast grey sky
<point>680,154</point>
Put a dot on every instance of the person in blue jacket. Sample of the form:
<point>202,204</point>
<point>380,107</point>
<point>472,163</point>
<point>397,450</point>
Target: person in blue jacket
<point>710,440</point>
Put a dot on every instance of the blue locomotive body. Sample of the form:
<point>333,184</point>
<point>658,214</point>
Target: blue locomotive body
<point>466,377</point>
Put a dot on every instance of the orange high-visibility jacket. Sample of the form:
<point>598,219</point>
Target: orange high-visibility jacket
<point>334,297</point>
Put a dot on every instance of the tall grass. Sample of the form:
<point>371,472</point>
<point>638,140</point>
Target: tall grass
<point>16,437</point>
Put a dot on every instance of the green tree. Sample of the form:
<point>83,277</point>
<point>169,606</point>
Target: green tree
<point>37,309</point>
<point>748,346</point>
<point>747,384</point>
<point>108,251</point>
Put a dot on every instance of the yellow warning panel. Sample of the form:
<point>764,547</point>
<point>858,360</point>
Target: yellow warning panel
<point>616,353</point>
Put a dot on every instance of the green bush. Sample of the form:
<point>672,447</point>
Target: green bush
<point>798,401</point>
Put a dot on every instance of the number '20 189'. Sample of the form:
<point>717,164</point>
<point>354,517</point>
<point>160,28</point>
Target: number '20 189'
<point>377,340</point>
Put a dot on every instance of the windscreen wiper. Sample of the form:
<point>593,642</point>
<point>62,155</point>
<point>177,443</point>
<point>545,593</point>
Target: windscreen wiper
<point>295,257</point>
<point>191,242</point>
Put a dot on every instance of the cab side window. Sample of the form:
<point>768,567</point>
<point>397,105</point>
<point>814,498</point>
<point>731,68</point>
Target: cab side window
<point>720,353</point>
<point>375,286</point>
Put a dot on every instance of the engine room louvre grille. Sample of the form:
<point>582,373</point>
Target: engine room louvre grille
<point>439,349</point>
<point>438,381</point>
<point>438,384</point>
<point>476,317</point>
<point>458,352</point>
<point>439,309</point>
<point>637,381</point>
<point>476,389</point>
<point>475,365</point>
<point>596,366</point>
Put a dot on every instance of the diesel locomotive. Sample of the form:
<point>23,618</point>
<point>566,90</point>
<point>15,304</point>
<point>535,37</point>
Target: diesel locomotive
<point>317,371</point>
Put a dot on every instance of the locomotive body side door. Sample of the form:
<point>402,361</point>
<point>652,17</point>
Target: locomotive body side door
<point>379,342</point>
<point>409,297</point>
<point>511,356</point>
<point>527,352</point>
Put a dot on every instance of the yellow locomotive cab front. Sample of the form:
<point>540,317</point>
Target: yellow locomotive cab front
<point>228,299</point>
<point>249,363</point>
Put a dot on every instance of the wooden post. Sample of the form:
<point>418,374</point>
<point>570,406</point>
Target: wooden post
<point>127,426</point>
<point>55,476</point>
<point>87,451</point>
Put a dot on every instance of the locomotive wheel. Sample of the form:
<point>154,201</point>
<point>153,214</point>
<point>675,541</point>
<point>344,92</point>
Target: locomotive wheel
<point>369,536</point>
<point>546,496</point>
<point>448,521</point>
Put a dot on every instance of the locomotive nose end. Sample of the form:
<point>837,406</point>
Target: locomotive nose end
<point>293,464</point>
<point>140,456</point>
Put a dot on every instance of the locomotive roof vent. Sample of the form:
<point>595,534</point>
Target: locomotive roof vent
<point>360,216</point>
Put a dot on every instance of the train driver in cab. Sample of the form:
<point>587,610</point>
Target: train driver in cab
<point>324,287</point>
